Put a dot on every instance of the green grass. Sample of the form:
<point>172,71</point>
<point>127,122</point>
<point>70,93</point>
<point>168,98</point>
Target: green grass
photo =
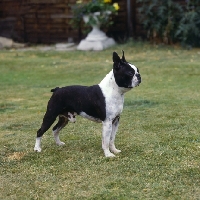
<point>159,132</point>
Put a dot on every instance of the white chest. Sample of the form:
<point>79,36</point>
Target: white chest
<point>114,105</point>
<point>114,96</point>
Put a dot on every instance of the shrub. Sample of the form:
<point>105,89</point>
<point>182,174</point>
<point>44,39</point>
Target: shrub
<point>170,21</point>
<point>102,8</point>
<point>188,30</point>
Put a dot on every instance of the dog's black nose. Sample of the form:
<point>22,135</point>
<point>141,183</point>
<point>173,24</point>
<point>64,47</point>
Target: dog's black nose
<point>139,78</point>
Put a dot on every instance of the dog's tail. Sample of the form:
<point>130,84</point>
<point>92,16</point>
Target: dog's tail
<point>55,89</point>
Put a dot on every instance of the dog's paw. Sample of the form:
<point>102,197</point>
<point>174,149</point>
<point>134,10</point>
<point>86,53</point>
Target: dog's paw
<point>37,149</point>
<point>109,154</point>
<point>116,151</point>
<point>60,143</point>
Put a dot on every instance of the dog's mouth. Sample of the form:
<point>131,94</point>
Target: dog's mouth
<point>130,87</point>
<point>138,83</point>
<point>139,79</point>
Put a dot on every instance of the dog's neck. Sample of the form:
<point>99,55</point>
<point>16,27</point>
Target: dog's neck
<point>109,81</point>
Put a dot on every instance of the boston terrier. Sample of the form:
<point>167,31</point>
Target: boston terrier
<point>99,103</point>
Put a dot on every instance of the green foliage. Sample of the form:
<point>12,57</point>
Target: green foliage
<point>188,30</point>
<point>103,9</point>
<point>169,21</point>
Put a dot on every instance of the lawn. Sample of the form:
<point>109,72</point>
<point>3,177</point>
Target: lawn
<point>159,132</point>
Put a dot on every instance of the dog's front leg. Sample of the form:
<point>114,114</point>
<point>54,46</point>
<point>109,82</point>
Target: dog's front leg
<point>115,125</point>
<point>106,134</point>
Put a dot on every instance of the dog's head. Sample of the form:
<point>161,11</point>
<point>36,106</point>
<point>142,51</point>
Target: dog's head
<point>126,75</point>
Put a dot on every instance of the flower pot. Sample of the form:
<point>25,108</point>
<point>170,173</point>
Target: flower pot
<point>96,34</point>
<point>96,39</point>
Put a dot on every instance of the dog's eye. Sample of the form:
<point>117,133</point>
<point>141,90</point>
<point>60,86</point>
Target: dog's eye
<point>130,74</point>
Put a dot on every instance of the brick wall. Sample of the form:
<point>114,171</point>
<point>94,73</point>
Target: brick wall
<point>48,21</point>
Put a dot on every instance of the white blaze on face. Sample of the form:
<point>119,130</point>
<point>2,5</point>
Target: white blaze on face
<point>135,80</point>
<point>134,67</point>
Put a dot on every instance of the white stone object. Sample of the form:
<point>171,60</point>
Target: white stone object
<point>96,39</point>
<point>9,43</point>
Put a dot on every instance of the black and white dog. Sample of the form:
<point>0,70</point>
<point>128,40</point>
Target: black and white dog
<point>99,103</point>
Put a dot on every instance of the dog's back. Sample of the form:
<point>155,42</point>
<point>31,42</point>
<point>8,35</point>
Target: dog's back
<point>55,89</point>
<point>76,98</point>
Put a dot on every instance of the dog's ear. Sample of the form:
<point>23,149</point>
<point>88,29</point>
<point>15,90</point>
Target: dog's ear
<point>123,57</point>
<point>116,60</point>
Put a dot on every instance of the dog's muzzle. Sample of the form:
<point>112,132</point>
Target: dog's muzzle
<point>136,81</point>
<point>139,78</point>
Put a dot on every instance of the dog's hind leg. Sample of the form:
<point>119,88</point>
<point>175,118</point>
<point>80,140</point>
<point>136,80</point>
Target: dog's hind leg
<point>48,120</point>
<point>62,122</point>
